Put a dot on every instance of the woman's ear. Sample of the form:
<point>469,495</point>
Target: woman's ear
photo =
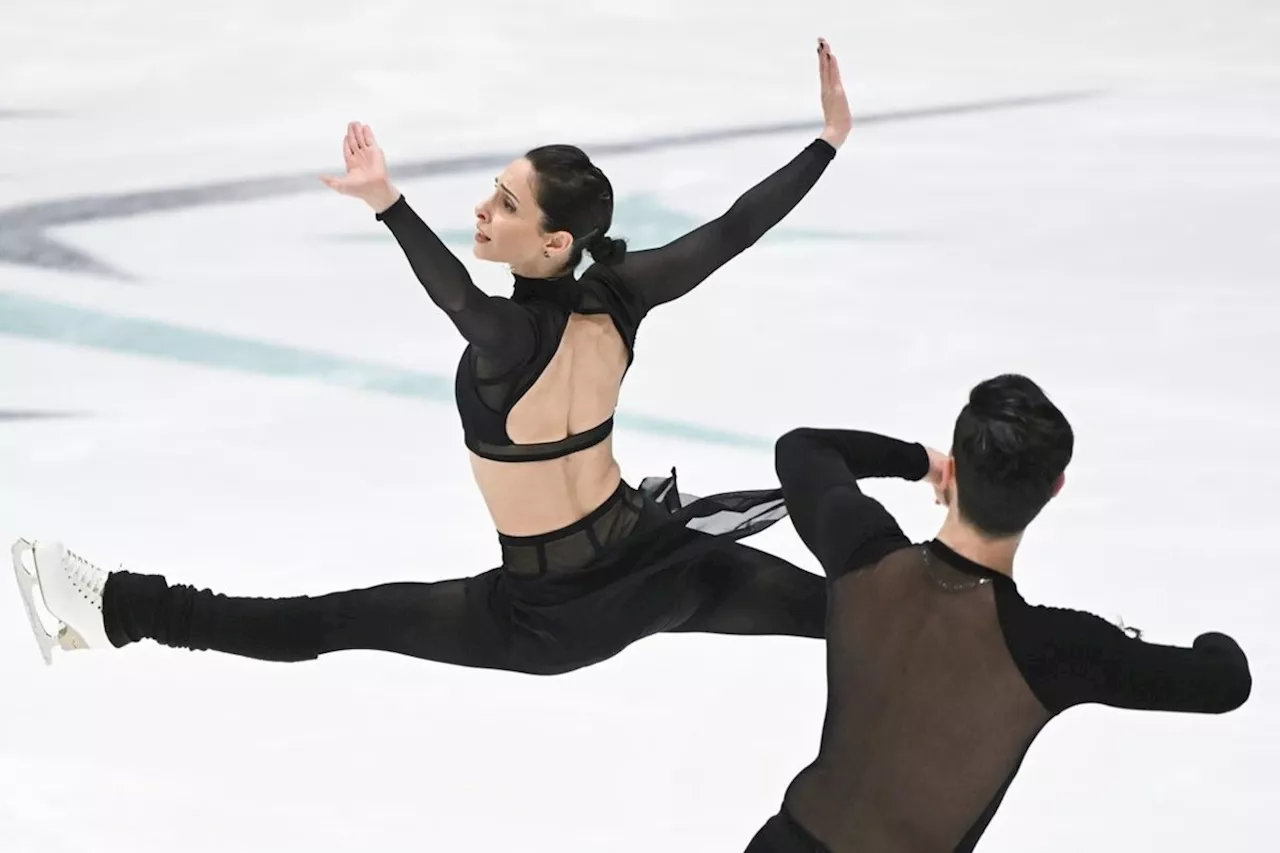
<point>557,243</point>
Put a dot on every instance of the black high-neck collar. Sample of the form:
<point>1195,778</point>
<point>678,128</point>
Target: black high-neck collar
<point>964,564</point>
<point>561,289</point>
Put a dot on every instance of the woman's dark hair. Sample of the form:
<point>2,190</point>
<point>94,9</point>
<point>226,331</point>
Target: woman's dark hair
<point>1010,446</point>
<point>575,196</point>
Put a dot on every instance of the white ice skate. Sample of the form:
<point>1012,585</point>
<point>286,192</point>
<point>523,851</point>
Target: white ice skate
<point>70,588</point>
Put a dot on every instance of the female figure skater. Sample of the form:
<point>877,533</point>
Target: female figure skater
<point>589,564</point>
<point>939,674</point>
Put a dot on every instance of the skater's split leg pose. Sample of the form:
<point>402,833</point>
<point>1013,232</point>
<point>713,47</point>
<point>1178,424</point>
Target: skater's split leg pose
<point>589,564</point>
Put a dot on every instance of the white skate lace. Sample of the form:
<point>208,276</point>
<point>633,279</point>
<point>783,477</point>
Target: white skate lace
<point>86,578</point>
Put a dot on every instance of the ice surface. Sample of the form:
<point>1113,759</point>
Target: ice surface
<point>257,396</point>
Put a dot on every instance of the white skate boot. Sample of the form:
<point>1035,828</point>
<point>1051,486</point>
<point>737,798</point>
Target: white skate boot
<point>70,588</point>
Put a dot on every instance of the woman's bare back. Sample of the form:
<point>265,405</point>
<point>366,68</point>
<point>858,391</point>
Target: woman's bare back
<point>578,390</point>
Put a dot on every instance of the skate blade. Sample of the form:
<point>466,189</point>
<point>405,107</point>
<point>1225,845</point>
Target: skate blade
<point>27,585</point>
<point>69,640</point>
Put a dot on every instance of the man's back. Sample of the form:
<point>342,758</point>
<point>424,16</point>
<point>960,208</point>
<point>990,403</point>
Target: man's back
<point>939,674</point>
<point>927,713</point>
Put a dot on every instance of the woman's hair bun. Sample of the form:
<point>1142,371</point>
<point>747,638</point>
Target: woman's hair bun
<point>607,250</point>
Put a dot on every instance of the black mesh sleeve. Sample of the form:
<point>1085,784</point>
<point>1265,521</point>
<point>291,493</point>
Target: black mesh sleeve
<point>819,471</point>
<point>497,326</point>
<point>1072,658</point>
<point>666,273</point>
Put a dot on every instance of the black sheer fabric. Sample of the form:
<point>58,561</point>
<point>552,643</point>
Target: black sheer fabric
<point>646,561</point>
<point>492,324</point>
<point>667,273</point>
<point>782,834</point>
<point>656,275</point>
<point>928,715</point>
<point>512,340</point>
<point>940,675</point>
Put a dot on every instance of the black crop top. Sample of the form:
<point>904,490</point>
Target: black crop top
<point>510,341</point>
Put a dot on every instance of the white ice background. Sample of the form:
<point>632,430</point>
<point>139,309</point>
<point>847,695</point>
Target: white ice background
<point>1120,247</point>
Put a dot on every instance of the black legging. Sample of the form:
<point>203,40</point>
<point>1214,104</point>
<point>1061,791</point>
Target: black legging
<point>544,624</point>
<point>471,621</point>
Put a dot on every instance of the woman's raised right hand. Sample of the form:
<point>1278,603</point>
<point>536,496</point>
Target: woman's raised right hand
<point>366,177</point>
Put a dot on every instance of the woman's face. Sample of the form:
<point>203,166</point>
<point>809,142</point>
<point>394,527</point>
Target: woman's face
<point>509,222</point>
